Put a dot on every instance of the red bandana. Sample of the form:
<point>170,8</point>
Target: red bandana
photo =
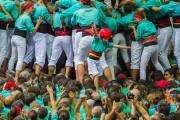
<point>88,3</point>
<point>138,16</point>
<point>28,6</point>
<point>18,111</point>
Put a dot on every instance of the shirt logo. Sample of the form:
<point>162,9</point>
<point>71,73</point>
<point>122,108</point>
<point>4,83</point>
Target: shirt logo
<point>147,23</point>
<point>85,8</point>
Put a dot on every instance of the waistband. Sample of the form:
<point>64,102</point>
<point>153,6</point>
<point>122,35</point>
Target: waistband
<point>87,31</point>
<point>20,33</point>
<point>42,28</point>
<point>94,55</point>
<point>60,31</point>
<point>131,34</point>
<point>150,40</point>
<point>75,26</point>
<point>176,22</point>
<point>11,25</point>
<point>3,25</point>
<point>49,30</point>
<point>163,21</point>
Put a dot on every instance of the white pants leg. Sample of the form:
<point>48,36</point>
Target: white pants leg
<point>84,48</point>
<point>94,67</point>
<point>62,43</point>
<point>177,45</point>
<point>49,44</point>
<point>77,41</point>
<point>119,39</point>
<point>18,51</point>
<point>107,61</point>
<point>3,45</point>
<point>163,40</point>
<point>150,51</point>
<point>10,32</point>
<point>40,48</point>
<point>136,50</point>
<point>73,39</point>
<point>30,52</point>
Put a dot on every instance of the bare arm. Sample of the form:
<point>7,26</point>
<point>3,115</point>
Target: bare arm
<point>94,29</point>
<point>121,47</point>
<point>76,110</point>
<point>71,96</point>
<point>87,110</point>
<point>5,12</point>
<point>108,11</point>
<point>50,8</point>
<point>156,8</point>
<point>59,99</point>
<point>39,21</point>
<point>53,109</point>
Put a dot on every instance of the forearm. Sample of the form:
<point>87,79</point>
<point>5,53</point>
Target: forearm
<point>119,46</point>
<point>142,110</point>
<point>51,20</point>
<point>95,33</point>
<point>87,110</point>
<point>109,106</point>
<point>74,102</point>
<point>109,116</point>
<point>102,116</point>
<point>77,107</point>
<point>132,2</point>
<point>53,110</point>
<point>57,102</point>
<point>108,11</point>
<point>62,20</point>
<point>134,30</point>
<point>120,117</point>
<point>36,28</point>
<point>9,16</point>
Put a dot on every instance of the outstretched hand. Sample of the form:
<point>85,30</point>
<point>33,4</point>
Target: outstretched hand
<point>131,26</point>
<point>92,23</point>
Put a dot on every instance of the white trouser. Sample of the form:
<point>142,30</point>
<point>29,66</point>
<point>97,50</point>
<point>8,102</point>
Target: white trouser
<point>18,51</point>
<point>94,67</point>
<point>49,44</point>
<point>84,48</point>
<point>106,60</point>
<point>119,39</point>
<point>108,2</point>
<point>177,45</point>
<point>73,39</point>
<point>39,40</point>
<point>62,43</point>
<point>77,41</point>
<point>163,40</point>
<point>3,45</point>
<point>30,52</point>
<point>136,50</point>
<point>149,51</point>
<point>10,32</point>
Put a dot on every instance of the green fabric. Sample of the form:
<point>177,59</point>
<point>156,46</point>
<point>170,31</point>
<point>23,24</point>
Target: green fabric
<point>126,108</point>
<point>144,30</point>
<point>98,46</point>
<point>173,108</point>
<point>24,23</point>
<point>125,90</point>
<point>5,93</point>
<point>151,110</point>
<point>54,117</point>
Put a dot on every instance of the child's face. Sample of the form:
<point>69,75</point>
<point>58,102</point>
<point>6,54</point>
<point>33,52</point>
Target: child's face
<point>137,20</point>
<point>105,40</point>
<point>167,75</point>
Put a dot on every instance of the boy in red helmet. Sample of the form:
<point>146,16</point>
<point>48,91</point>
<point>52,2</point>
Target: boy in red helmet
<point>99,44</point>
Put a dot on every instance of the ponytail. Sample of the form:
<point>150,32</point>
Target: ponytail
<point>23,6</point>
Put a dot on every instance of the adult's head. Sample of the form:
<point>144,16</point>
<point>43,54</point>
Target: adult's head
<point>34,105</point>
<point>96,112</point>
<point>1,106</point>
<point>164,107</point>
<point>95,95</point>
<point>2,82</point>
<point>29,98</point>
<point>8,101</point>
<point>20,96</point>
<point>135,92</point>
<point>33,89</point>
<point>14,112</point>
<point>33,78</point>
<point>42,112</point>
<point>24,74</point>
<point>18,103</point>
<point>10,73</point>
<point>21,80</point>
<point>63,115</point>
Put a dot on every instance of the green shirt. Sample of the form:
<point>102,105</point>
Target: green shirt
<point>151,110</point>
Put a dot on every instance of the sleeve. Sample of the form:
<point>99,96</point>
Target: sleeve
<point>3,17</point>
<point>70,11</point>
<point>148,5</point>
<point>139,33</point>
<point>14,12</point>
<point>120,22</point>
<point>96,39</point>
<point>45,15</point>
<point>29,24</point>
<point>103,6</point>
<point>109,45</point>
<point>167,8</point>
<point>74,19</point>
<point>139,4</point>
<point>54,117</point>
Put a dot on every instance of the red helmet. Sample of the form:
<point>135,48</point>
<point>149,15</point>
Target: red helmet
<point>105,32</point>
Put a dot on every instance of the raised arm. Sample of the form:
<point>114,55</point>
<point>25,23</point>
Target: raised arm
<point>76,110</point>
<point>86,107</point>
<point>5,12</point>
<point>71,96</point>
<point>59,99</point>
<point>94,29</point>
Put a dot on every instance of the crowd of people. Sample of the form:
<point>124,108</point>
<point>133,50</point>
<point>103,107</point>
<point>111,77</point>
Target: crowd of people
<point>89,59</point>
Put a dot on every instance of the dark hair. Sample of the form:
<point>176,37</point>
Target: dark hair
<point>21,80</point>
<point>23,6</point>
<point>175,92</point>
<point>18,103</point>
<point>18,88</point>
<point>134,117</point>
<point>157,73</point>
<point>57,78</point>
<point>20,96</point>
<point>33,89</point>
<point>90,87</point>
<point>115,97</point>
<point>11,113</point>
<point>65,81</point>
<point>74,83</point>
<point>112,89</point>
<point>46,100</point>
<point>164,107</point>
<point>42,112</point>
<point>32,75</point>
<point>87,81</point>
<point>63,104</point>
<point>63,115</point>
<point>29,98</point>
<point>170,71</point>
<point>121,81</point>
<point>34,115</point>
<point>128,9</point>
<point>172,116</point>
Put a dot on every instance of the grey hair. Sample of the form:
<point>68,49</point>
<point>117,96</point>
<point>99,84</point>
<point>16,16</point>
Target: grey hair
<point>93,94</point>
<point>90,103</point>
<point>24,74</point>
<point>14,93</point>
<point>127,82</point>
<point>97,114</point>
<point>34,105</point>
<point>10,73</point>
